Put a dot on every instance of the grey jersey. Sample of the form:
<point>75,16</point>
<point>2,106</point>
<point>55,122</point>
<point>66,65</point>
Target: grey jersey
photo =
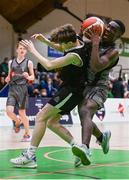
<point>18,92</point>
<point>101,77</point>
<point>17,69</point>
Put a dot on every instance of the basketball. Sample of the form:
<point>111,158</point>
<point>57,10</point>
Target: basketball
<point>92,22</point>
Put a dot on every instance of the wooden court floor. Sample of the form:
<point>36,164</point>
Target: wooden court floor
<point>55,159</point>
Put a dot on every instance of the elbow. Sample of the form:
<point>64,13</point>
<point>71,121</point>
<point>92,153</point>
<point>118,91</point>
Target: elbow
<point>48,67</point>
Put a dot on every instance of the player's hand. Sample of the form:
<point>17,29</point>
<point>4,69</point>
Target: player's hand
<point>28,44</point>
<point>39,37</point>
<point>95,35</point>
<point>7,79</point>
<point>25,75</point>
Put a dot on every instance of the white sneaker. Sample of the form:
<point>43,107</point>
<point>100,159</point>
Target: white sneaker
<point>105,141</point>
<point>82,152</point>
<point>24,161</point>
<point>77,161</point>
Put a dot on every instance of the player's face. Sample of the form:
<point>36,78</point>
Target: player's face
<point>21,50</point>
<point>112,32</point>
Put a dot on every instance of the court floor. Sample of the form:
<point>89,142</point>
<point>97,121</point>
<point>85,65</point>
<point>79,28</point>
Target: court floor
<point>55,159</point>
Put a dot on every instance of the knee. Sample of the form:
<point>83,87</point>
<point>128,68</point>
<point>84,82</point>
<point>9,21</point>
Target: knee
<point>8,111</point>
<point>83,112</point>
<point>22,114</point>
<point>50,124</point>
<point>40,118</point>
<point>87,109</point>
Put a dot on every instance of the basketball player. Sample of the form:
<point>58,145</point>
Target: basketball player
<point>74,66</point>
<point>104,56</point>
<point>97,87</point>
<point>20,73</point>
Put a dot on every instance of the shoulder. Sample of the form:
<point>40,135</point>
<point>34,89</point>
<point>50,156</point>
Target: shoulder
<point>75,58</point>
<point>10,61</point>
<point>30,63</point>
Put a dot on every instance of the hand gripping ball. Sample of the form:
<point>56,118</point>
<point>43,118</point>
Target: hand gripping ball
<point>94,23</point>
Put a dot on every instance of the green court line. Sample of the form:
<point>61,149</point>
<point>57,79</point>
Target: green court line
<point>57,163</point>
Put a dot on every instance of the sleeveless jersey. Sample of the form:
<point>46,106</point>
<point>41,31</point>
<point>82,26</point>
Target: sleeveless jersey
<point>74,75</point>
<point>102,76</point>
<point>16,72</point>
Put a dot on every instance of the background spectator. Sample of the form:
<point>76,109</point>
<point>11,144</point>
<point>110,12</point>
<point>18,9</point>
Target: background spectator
<point>4,67</point>
<point>118,88</point>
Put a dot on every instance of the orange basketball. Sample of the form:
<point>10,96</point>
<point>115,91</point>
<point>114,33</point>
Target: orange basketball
<point>93,22</point>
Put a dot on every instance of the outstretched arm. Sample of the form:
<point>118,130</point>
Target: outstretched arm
<point>43,39</point>
<point>52,64</point>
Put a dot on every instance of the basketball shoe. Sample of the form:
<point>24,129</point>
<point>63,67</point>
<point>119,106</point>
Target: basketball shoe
<point>77,161</point>
<point>82,152</point>
<point>105,141</point>
<point>26,138</point>
<point>24,160</point>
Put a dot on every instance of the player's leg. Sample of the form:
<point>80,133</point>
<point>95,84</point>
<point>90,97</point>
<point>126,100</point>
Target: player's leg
<point>100,96</point>
<point>28,158</point>
<point>10,112</point>
<point>103,138</point>
<point>60,130</point>
<point>49,111</point>
<point>86,111</point>
<point>93,100</point>
<point>25,121</point>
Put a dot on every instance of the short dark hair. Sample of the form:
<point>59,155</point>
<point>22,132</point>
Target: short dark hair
<point>121,24</point>
<point>54,35</point>
<point>65,33</point>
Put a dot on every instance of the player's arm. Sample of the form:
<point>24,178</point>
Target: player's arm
<point>43,39</point>
<point>30,76</point>
<point>31,71</point>
<point>95,61</point>
<point>108,59</point>
<point>99,63</point>
<point>71,58</point>
<point>7,79</point>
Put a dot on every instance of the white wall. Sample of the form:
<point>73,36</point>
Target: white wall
<point>6,38</point>
<point>112,112</point>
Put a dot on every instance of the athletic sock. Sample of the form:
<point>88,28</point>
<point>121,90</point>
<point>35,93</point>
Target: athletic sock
<point>31,150</point>
<point>72,142</point>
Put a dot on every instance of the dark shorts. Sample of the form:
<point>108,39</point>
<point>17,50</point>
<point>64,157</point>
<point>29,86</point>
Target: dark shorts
<point>66,99</point>
<point>96,93</point>
<point>17,96</point>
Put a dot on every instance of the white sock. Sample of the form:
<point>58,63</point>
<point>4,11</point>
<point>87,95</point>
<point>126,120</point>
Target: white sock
<point>72,142</point>
<point>32,150</point>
